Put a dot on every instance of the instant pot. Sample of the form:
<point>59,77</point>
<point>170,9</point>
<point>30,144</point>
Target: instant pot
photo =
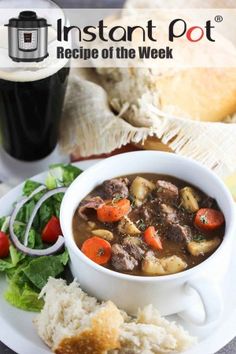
<point>27,37</point>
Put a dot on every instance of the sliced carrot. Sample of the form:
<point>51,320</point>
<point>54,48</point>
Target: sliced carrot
<point>97,249</point>
<point>209,219</point>
<point>152,239</point>
<point>113,211</point>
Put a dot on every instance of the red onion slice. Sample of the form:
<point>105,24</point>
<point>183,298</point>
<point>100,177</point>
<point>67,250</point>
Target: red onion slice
<point>29,251</point>
<point>46,196</point>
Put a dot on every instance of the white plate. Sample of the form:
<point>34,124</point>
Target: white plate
<point>17,330</point>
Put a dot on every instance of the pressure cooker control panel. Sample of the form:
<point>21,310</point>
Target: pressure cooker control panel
<point>28,39</point>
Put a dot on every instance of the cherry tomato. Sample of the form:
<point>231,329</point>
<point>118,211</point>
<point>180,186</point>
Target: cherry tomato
<point>52,230</point>
<point>4,245</point>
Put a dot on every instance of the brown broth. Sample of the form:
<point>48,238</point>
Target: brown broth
<point>82,231</point>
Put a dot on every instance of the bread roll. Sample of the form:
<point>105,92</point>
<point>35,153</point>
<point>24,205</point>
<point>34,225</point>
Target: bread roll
<point>205,94</point>
<point>198,93</point>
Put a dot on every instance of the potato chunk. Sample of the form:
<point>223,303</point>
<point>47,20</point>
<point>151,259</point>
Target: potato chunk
<point>173,264</point>
<point>163,266</point>
<point>189,199</point>
<point>152,265</point>
<point>126,226</point>
<point>140,188</point>
<point>205,246</point>
<point>103,233</point>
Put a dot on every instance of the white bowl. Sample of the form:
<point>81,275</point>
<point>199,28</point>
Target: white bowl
<point>172,293</point>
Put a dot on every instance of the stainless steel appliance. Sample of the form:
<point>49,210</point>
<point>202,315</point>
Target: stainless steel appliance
<point>28,37</point>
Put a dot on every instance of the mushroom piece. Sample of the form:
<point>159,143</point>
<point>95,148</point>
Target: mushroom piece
<point>162,266</point>
<point>202,247</point>
<point>126,226</point>
<point>140,188</point>
<point>103,233</point>
<point>189,199</point>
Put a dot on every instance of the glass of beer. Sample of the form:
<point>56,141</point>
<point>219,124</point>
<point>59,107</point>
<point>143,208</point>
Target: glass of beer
<point>31,102</point>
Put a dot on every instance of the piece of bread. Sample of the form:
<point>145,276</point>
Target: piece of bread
<point>151,333</point>
<point>101,335</point>
<point>198,93</point>
<point>205,94</point>
<point>72,322</point>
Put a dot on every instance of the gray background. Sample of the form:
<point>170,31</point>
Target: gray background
<point>231,347</point>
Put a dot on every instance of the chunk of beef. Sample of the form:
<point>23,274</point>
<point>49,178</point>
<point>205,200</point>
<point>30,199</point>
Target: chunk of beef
<point>89,203</point>
<point>178,233</point>
<point>207,202</point>
<point>148,214</point>
<point>121,260</point>
<point>135,247</point>
<point>147,211</point>
<point>167,190</point>
<point>168,213</point>
<point>186,218</point>
<point>114,187</point>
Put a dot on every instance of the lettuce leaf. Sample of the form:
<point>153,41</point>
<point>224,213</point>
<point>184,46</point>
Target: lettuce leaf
<point>34,240</point>
<point>45,212</point>
<point>24,297</point>
<point>61,175</point>
<point>40,269</point>
<point>2,221</point>
<point>5,264</point>
<point>20,293</point>
<point>29,187</point>
<point>16,256</point>
<point>27,275</point>
<point>25,283</point>
<point>12,260</point>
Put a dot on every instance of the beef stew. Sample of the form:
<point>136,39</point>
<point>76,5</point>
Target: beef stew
<point>148,225</point>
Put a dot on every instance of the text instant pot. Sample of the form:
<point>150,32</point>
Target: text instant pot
<point>125,36</point>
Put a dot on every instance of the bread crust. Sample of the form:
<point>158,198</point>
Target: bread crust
<point>205,94</point>
<point>101,336</point>
<point>152,143</point>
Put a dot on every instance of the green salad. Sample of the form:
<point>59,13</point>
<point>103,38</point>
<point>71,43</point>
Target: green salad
<point>26,274</point>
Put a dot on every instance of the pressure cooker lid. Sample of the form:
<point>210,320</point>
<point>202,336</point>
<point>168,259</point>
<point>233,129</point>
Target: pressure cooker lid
<point>27,19</point>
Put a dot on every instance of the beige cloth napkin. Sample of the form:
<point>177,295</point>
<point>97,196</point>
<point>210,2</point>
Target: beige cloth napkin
<point>90,127</point>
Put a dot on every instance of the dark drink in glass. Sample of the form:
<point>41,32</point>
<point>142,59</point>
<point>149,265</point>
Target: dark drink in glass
<point>30,111</point>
